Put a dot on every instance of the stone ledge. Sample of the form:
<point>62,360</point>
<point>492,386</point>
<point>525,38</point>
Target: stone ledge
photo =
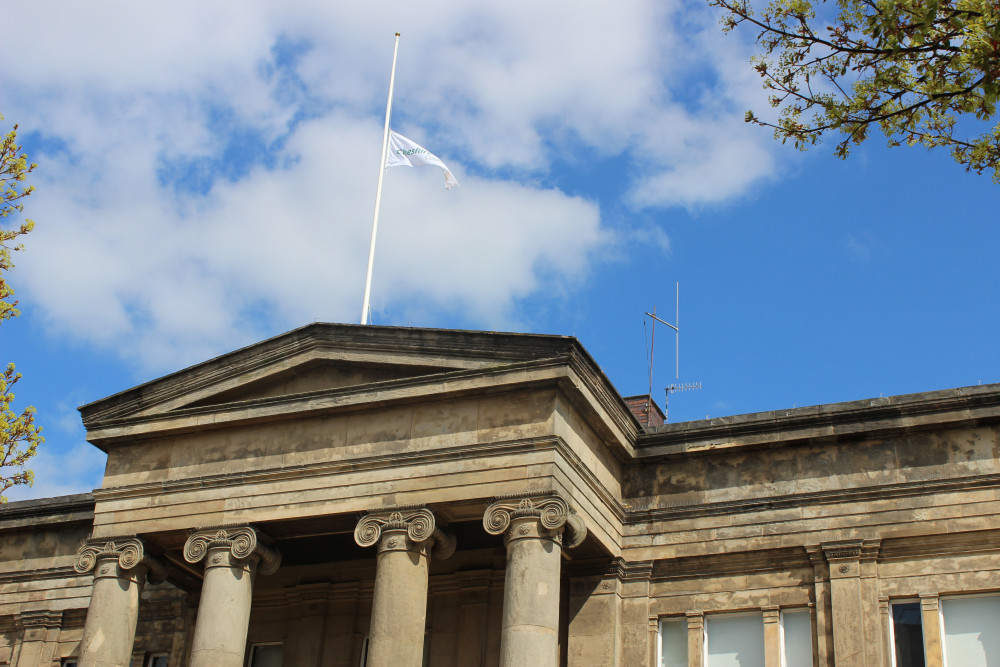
<point>875,492</point>
<point>854,419</point>
<point>47,511</point>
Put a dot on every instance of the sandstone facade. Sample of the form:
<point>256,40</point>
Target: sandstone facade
<point>345,495</point>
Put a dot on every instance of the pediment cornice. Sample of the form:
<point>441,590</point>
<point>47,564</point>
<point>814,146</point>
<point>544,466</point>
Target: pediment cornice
<point>448,363</point>
<point>431,349</point>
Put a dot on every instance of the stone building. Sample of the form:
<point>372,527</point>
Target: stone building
<point>346,496</point>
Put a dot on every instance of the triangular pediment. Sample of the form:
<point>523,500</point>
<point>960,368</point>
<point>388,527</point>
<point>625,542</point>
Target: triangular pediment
<point>319,359</point>
<point>315,376</point>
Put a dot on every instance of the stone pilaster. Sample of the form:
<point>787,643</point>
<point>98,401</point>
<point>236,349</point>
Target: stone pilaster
<point>854,602</point>
<point>595,618</point>
<point>120,567</point>
<point>696,638</point>
<point>885,622</point>
<point>39,637</point>
<point>772,636</point>
<point>823,625</point>
<point>930,620</point>
<point>535,530</point>
<point>232,556</point>
<point>407,537</point>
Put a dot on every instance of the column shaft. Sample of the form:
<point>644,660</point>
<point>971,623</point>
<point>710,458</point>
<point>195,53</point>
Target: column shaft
<point>109,630</point>
<point>406,537</point>
<point>120,568</point>
<point>231,555</point>
<point>530,629</point>
<point>535,530</point>
<point>220,631</point>
<point>399,607</point>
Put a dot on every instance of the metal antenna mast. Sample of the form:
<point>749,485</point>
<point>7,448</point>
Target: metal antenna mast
<point>677,352</point>
<point>677,340</point>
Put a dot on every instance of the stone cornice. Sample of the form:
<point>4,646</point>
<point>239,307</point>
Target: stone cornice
<point>573,374</point>
<point>64,572</point>
<point>305,404</point>
<point>731,564</point>
<point>42,618</point>
<point>866,418</point>
<point>693,509</point>
<point>340,341</point>
<point>946,544</point>
<point>17,515</point>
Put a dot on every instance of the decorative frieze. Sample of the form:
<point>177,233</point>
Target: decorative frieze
<point>241,543</point>
<point>404,529</point>
<point>843,549</point>
<point>554,519</point>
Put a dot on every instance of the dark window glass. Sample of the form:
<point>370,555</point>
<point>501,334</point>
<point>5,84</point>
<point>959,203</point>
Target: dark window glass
<point>908,634</point>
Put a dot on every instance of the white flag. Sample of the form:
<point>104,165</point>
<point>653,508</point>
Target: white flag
<point>406,153</point>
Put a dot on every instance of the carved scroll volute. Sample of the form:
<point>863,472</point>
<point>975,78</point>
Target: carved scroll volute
<point>240,541</point>
<point>552,513</point>
<point>417,523</point>
<point>127,550</point>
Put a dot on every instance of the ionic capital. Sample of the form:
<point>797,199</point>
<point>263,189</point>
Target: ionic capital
<point>240,542</point>
<point>404,529</point>
<point>100,553</point>
<point>547,516</point>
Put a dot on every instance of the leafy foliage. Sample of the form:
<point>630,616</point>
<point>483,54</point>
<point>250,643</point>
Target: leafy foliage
<point>19,437</point>
<point>19,434</point>
<point>919,70</point>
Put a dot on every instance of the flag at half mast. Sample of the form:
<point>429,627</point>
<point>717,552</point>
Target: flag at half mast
<point>404,152</point>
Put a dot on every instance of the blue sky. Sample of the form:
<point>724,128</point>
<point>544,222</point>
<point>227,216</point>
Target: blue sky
<point>207,174</point>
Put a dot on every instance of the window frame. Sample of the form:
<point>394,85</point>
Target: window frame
<point>808,611</point>
<point>250,653</point>
<point>892,625</point>
<point>942,598</point>
<point>659,634</point>
<point>758,613</point>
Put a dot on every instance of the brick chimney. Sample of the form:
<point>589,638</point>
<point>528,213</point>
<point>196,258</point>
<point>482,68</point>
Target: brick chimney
<point>645,409</point>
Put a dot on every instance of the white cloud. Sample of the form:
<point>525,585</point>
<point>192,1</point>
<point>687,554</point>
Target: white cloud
<point>60,473</point>
<point>212,179</point>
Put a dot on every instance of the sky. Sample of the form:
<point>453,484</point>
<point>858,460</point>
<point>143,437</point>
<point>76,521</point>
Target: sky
<point>207,173</point>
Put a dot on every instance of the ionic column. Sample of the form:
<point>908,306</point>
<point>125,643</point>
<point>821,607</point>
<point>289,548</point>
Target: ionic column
<point>120,568</point>
<point>533,530</point>
<point>232,556</point>
<point>406,538</point>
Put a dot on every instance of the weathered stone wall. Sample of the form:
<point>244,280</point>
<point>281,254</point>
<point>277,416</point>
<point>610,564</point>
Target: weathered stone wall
<point>42,598</point>
<point>838,510</point>
<point>839,526</point>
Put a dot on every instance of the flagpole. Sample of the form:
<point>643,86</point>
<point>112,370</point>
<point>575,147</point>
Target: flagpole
<point>378,190</point>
